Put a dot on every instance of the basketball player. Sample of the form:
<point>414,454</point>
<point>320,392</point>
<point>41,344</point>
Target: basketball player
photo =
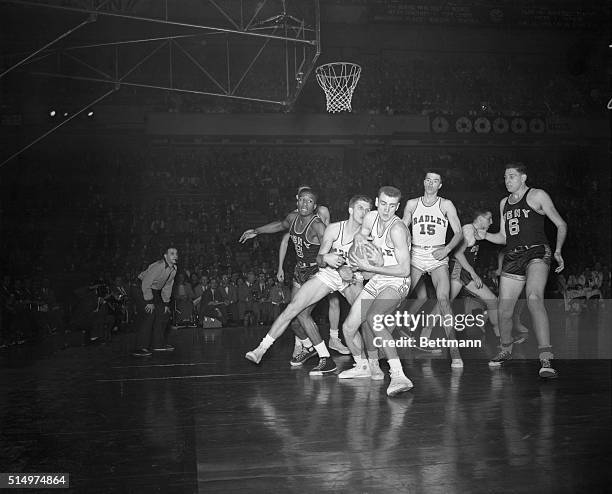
<point>386,289</point>
<point>429,217</point>
<point>306,230</point>
<point>337,241</point>
<point>332,299</point>
<point>526,261</point>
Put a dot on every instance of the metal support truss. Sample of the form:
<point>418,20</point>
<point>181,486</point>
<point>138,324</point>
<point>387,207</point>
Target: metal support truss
<point>300,43</point>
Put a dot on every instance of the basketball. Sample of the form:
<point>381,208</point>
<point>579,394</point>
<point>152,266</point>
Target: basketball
<point>368,252</point>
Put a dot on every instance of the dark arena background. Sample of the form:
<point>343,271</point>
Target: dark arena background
<point>131,126</point>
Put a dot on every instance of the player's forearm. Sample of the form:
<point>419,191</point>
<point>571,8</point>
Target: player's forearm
<point>496,238</point>
<point>561,236</point>
<point>274,227</point>
<point>457,238</point>
<point>401,270</point>
<point>461,259</point>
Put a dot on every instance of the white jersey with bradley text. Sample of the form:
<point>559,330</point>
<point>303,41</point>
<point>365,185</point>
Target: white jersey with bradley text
<point>429,224</point>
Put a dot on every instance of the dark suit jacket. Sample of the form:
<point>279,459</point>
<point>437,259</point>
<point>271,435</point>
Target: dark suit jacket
<point>231,296</point>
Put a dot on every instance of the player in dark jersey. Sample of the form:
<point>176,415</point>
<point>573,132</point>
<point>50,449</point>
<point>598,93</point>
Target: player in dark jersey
<point>526,261</point>
<point>332,299</point>
<point>306,231</point>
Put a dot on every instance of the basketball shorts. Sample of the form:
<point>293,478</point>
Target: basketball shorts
<point>422,258</point>
<point>518,259</point>
<point>333,280</point>
<point>458,273</point>
<point>380,282</point>
<point>301,274</point>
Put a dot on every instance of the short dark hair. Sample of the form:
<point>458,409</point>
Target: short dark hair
<point>168,247</point>
<point>433,170</point>
<point>390,191</point>
<point>480,212</point>
<point>360,197</point>
<point>308,190</point>
<point>519,166</point>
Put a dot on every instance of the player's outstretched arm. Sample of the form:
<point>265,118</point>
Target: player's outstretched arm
<point>274,227</point>
<point>324,257</point>
<point>500,236</point>
<point>553,215</point>
<point>282,253</point>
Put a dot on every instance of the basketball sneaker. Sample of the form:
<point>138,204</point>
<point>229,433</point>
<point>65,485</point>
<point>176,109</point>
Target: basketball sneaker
<point>361,370</point>
<point>303,356</point>
<point>501,357</point>
<point>326,365</point>
<point>336,344</point>
<point>399,383</point>
<point>256,355</point>
<point>377,373</point>
<point>547,370</point>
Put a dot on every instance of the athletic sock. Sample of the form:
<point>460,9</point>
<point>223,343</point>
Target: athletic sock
<point>322,350</point>
<point>333,333</point>
<point>545,352</point>
<point>267,342</point>
<point>306,343</point>
<point>395,365</point>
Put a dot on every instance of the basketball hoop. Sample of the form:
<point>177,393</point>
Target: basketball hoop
<point>338,80</point>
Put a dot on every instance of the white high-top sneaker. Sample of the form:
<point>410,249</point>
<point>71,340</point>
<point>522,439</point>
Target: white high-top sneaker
<point>399,383</point>
<point>359,370</point>
<point>255,355</point>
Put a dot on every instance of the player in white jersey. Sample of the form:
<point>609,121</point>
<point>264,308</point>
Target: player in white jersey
<point>430,217</point>
<point>337,240</point>
<point>386,289</point>
<point>334,302</point>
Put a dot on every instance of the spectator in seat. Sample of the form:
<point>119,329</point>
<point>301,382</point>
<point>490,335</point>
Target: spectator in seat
<point>213,304</point>
<point>230,298</point>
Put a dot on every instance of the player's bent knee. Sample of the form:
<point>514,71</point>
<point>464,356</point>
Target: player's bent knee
<point>534,298</point>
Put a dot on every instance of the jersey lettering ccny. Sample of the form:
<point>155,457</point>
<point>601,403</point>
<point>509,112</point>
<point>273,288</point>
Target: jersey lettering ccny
<point>305,250</point>
<point>524,225</point>
<point>429,224</point>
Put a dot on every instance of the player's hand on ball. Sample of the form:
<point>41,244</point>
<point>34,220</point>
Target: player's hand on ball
<point>560,262</point>
<point>439,254</point>
<point>247,235</point>
<point>333,260</point>
<point>346,273</point>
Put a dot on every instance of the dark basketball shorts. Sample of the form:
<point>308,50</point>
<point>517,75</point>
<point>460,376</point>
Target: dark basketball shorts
<point>517,260</point>
<point>458,273</point>
<point>301,274</point>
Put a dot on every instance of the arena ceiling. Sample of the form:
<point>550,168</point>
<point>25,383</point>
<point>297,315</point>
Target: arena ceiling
<point>208,47</point>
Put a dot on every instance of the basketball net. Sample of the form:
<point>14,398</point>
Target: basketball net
<point>338,80</point>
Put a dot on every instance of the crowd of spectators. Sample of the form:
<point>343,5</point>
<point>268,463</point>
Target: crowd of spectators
<point>76,237</point>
